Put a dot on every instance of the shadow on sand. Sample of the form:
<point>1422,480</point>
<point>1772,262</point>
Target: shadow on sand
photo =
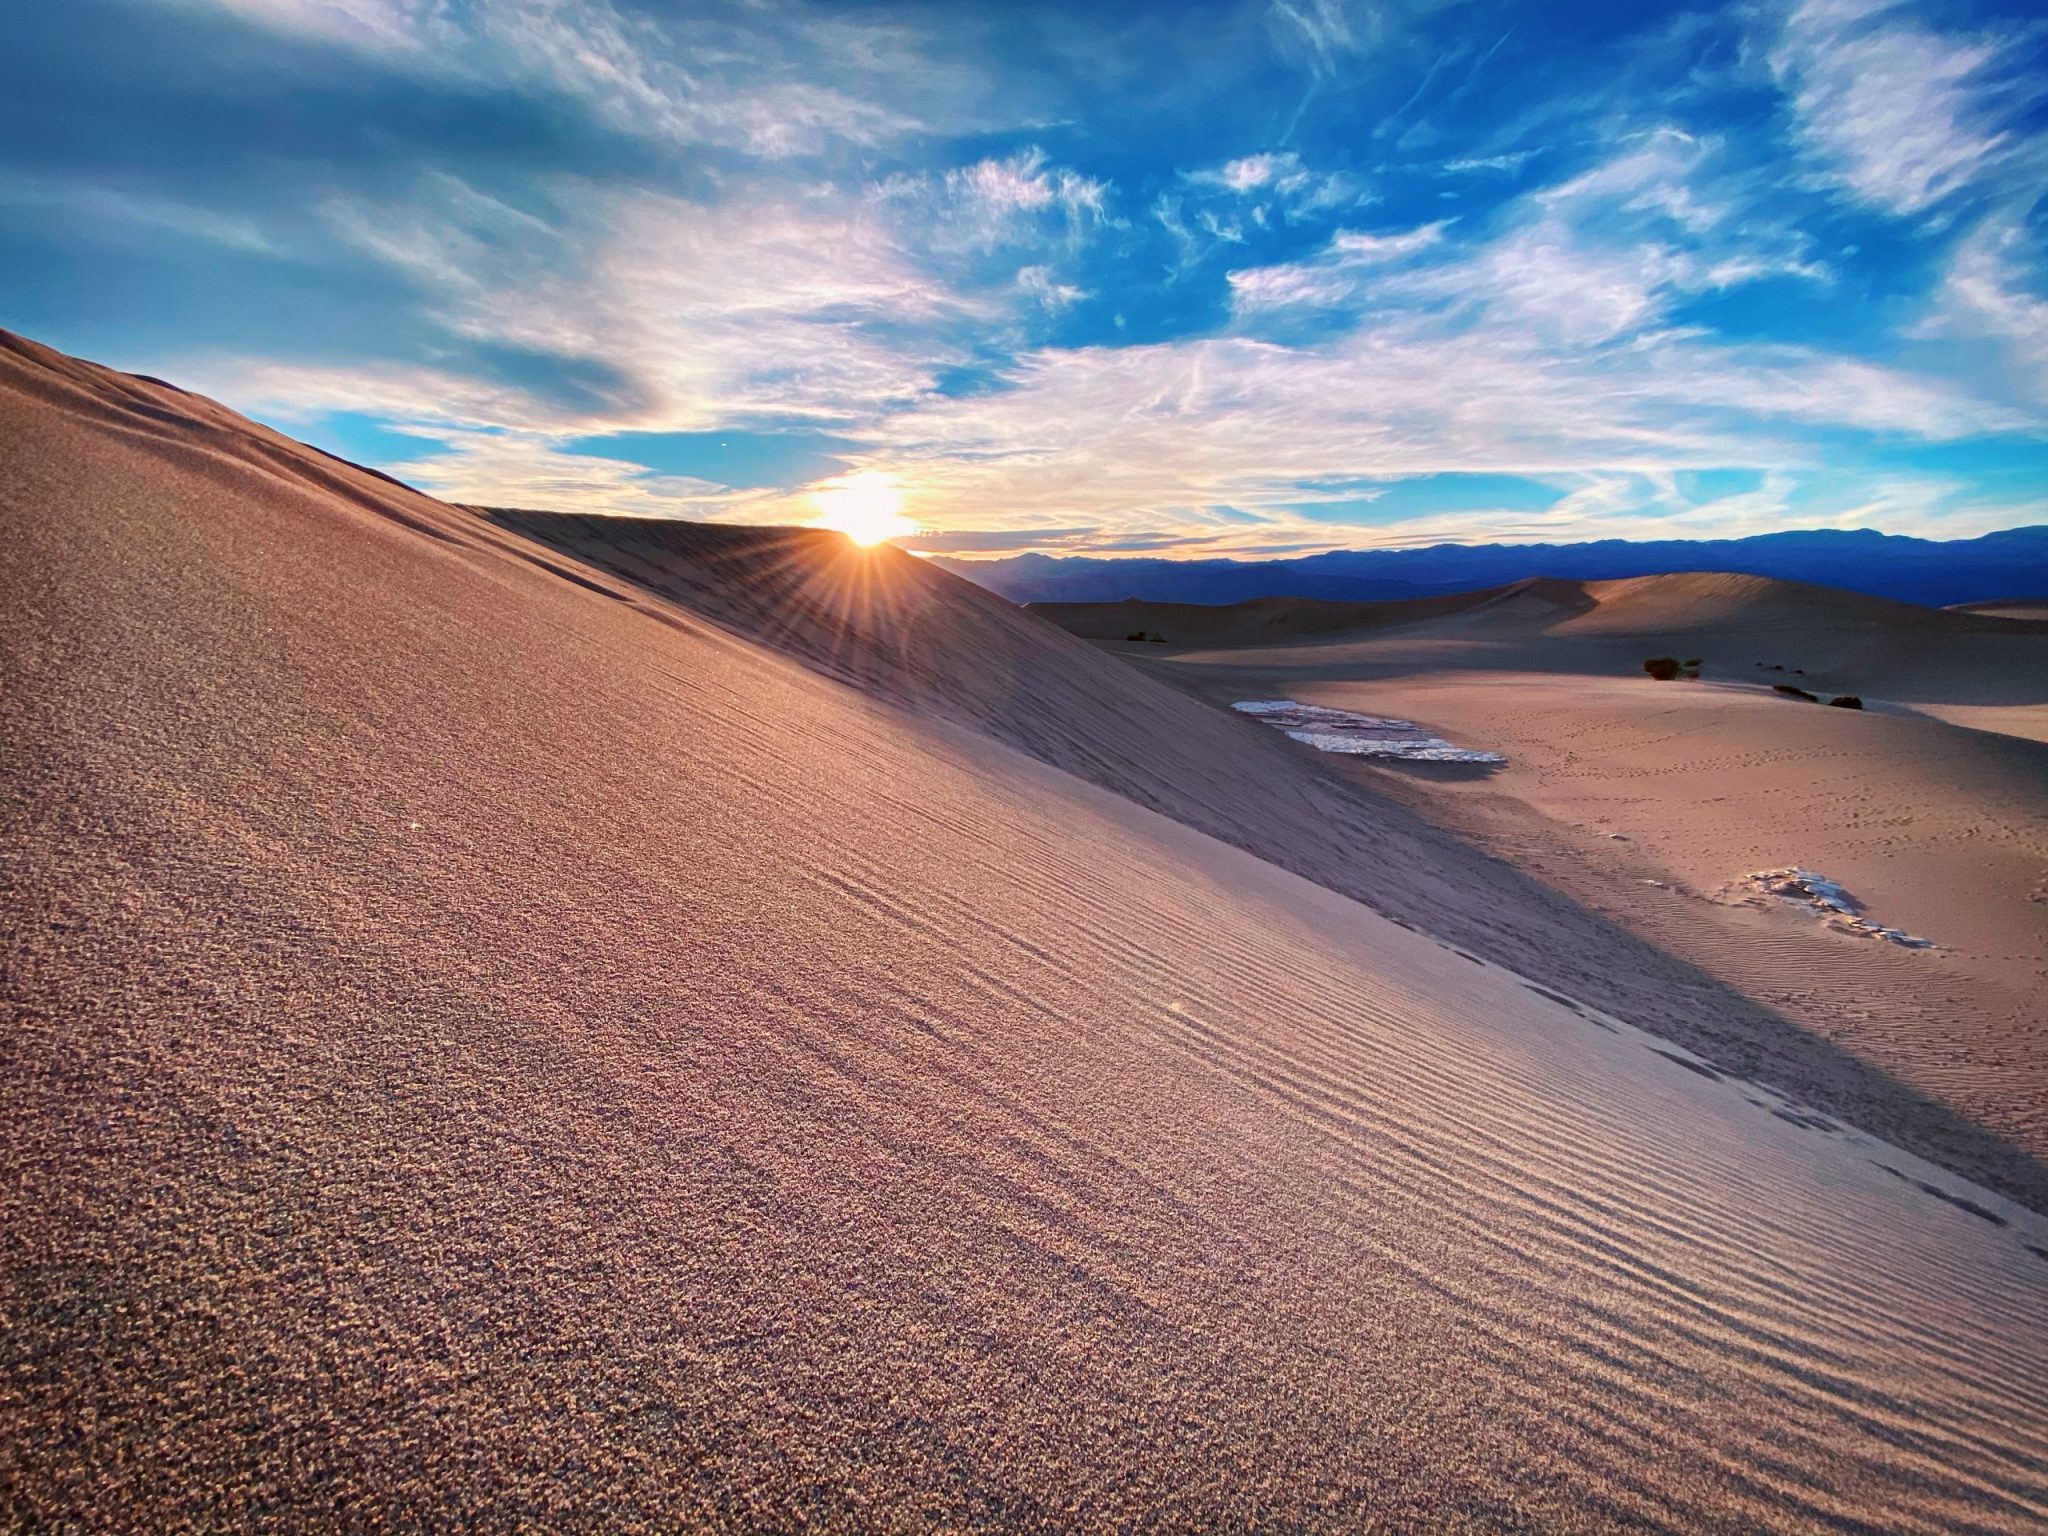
<point>1361,845</point>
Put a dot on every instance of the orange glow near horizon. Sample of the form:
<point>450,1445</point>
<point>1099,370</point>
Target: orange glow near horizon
<point>866,506</point>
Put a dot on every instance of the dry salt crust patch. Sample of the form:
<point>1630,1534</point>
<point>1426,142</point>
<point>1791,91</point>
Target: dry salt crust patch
<point>1339,730</point>
<point>1823,897</point>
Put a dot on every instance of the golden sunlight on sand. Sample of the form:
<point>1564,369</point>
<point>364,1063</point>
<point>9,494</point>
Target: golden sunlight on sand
<point>866,506</point>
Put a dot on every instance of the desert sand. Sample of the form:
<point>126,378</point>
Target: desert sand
<point>1645,800</point>
<point>549,1023</point>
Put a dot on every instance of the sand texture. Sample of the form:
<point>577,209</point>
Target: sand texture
<point>492,1043</point>
<point>1646,800</point>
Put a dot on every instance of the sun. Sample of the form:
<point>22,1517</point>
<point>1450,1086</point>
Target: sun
<point>866,506</point>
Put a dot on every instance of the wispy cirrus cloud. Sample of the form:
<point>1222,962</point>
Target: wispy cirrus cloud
<point>1900,113</point>
<point>766,304</point>
<point>1505,165</point>
<point>101,213</point>
<point>1016,199</point>
<point>1051,294</point>
<point>768,81</point>
<point>1238,440</point>
<point>1333,276</point>
<point>1279,184</point>
<point>533,250</point>
<point>394,26</point>
<point>1986,299</point>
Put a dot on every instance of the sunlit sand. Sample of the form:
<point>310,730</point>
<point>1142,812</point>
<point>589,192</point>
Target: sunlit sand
<point>557,1022</point>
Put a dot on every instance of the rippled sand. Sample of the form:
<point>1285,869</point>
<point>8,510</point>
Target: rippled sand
<point>493,1045</point>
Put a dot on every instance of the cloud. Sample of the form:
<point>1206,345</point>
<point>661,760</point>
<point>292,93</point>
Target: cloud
<point>1352,247</point>
<point>1252,195</point>
<point>760,304</point>
<point>1236,440</point>
<point>1021,198</point>
<point>1899,115</point>
<point>377,26</point>
<point>101,213</point>
<point>1050,295</point>
<point>1289,285</point>
<point>535,221</point>
<point>1322,32</point>
<point>521,470</point>
<point>769,81</point>
<point>427,401</point>
<point>1985,298</point>
<point>1332,278</point>
<point>1279,179</point>
<point>1250,172</point>
<point>1540,351</point>
<point>1505,164</point>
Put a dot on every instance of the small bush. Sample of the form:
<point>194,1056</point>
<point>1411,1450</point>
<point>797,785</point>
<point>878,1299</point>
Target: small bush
<point>1798,693</point>
<point>1137,634</point>
<point>1845,701</point>
<point>1692,664</point>
<point>1662,668</point>
<point>1159,639</point>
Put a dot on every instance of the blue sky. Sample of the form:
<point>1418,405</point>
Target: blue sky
<point>1207,279</point>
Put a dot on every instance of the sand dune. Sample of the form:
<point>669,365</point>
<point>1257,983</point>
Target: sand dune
<point>1645,800</point>
<point>2032,609</point>
<point>491,1045</point>
<point>914,634</point>
<point>1984,670</point>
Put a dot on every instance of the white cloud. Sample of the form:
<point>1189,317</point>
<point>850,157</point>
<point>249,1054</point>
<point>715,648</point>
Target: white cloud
<point>767,81</point>
<point>1289,284</point>
<point>998,197</point>
<point>762,304</point>
<point>1539,338</point>
<point>1506,164</point>
<point>430,400</point>
<point>1900,115</point>
<point>1051,295</point>
<point>1985,298</point>
<point>1227,437</point>
<point>1599,257</point>
<point>523,470</point>
<point>1278,180</point>
<point>1351,247</point>
<point>1022,199</point>
<point>375,26</point>
<point>1324,31</point>
<point>1332,278</point>
<point>1249,172</point>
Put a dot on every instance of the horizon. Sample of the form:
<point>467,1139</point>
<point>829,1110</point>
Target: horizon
<point>1251,281</point>
<point>909,546</point>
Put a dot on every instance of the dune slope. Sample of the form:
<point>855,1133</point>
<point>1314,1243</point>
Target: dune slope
<point>1652,801</point>
<point>489,1047</point>
<point>908,632</point>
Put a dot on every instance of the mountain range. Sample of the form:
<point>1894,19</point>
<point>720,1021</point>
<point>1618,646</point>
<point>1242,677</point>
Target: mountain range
<point>1938,572</point>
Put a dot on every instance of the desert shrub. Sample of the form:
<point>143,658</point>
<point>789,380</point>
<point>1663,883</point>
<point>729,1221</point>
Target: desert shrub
<point>1797,693</point>
<point>1137,634</point>
<point>1159,639</point>
<point>1662,668</point>
<point>1692,663</point>
<point>1846,701</point>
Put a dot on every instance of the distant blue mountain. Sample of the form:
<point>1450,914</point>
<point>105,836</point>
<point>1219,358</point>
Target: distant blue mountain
<point>2012,564</point>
